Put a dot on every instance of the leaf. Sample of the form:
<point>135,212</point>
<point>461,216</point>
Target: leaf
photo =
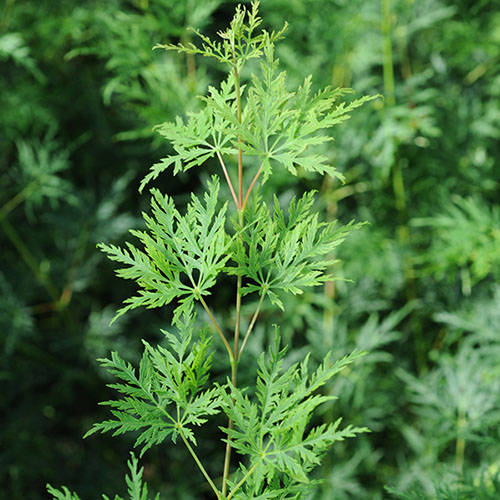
<point>261,119</point>
<point>181,256</point>
<point>136,489</point>
<point>166,378</point>
<point>283,255</point>
<point>62,494</point>
<point>274,432</point>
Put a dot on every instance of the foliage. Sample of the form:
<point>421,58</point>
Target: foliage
<point>136,488</point>
<point>184,256</point>
<point>80,93</point>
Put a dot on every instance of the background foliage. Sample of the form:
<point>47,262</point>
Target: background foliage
<point>80,92</point>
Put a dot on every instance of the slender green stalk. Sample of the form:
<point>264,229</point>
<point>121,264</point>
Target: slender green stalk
<point>249,472</point>
<point>460,445</point>
<point>238,313</point>
<point>387,53</point>
<point>234,371</point>
<point>251,325</point>
<point>217,327</point>
<point>6,14</point>
<point>28,257</point>
<point>399,187</point>
<point>234,357</point>
<point>200,466</point>
<point>243,479</point>
<point>227,456</point>
<point>20,197</point>
<point>400,197</point>
<point>238,104</point>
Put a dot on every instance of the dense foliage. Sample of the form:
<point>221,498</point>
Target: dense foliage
<point>80,93</point>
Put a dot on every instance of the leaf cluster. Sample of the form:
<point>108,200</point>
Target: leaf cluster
<point>173,376</point>
<point>136,488</point>
<point>182,254</point>
<point>275,126</point>
<point>466,235</point>
<point>280,254</point>
<point>274,431</point>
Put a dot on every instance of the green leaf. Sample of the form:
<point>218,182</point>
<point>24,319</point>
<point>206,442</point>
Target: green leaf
<point>282,254</point>
<point>165,397</point>
<point>181,256</point>
<point>136,489</point>
<point>62,494</point>
<point>274,432</point>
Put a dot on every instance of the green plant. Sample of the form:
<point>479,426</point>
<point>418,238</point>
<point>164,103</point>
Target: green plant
<point>271,253</point>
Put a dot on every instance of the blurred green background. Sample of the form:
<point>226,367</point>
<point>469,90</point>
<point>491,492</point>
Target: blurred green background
<point>80,93</point>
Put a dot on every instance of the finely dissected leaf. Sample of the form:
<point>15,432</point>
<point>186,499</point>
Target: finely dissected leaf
<point>194,142</point>
<point>62,494</point>
<point>239,40</point>
<point>284,255</point>
<point>466,235</point>
<point>274,431</point>
<point>136,489</point>
<point>262,118</point>
<point>281,127</point>
<point>166,378</point>
<point>181,256</point>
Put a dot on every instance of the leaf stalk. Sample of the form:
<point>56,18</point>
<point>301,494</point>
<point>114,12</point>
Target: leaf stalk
<point>200,466</point>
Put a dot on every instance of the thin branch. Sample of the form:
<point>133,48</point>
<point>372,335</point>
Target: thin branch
<point>200,465</point>
<point>249,472</point>
<point>217,327</point>
<point>243,479</point>
<point>28,257</point>
<point>228,179</point>
<point>20,197</point>
<point>240,174</point>
<point>234,357</point>
<point>238,312</point>
<point>238,103</point>
<point>251,186</point>
<point>230,425</point>
<point>251,325</point>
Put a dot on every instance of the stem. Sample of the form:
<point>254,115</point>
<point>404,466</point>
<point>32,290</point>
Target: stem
<point>238,311</point>
<point>238,301</point>
<point>399,187</point>
<point>238,104</point>
<point>249,472</point>
<point>28,257</point>
<point>234,370</point>
<point>228,179</point>
<point>243,479</point>
<point>20,197</point>
<point>233,356</point>
<point>227,456</point>
<point>460,446</point>
<point>251,187</point>
<point>6,14</point>
<point>400,196</point>
<point>200,466</point>
<point>252,323</point>
<point>387,50</point>
<point>329,288</point>
<point>217,327</point>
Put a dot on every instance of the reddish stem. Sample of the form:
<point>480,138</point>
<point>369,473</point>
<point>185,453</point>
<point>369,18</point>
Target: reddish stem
<point>228,179</point>
<point>252,184</point>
